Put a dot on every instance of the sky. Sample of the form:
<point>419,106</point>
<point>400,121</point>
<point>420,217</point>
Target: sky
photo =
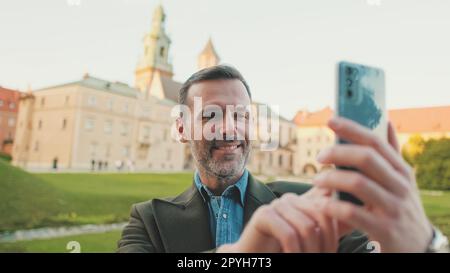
<point>287,50</point>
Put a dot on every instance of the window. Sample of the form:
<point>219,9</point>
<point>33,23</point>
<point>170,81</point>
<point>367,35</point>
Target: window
<point>11,122</point>
<point>42,101</point>
<point>64,124</point>
<point>318,138</point>
<point>1,103</point>
<point>280,160</point>
<point>169,153</point>
<point>89,124</point>
<point>109,104</point>
<point>66,101</point>
<point>165,135</point>
<point>92,100</point>
<point>40,124</point>
<point>124,131</point>
<point>126,151</point>
<point>12,105</point>
<point>108,127</point>
<point>125,107</point>
<point>309,153</point>
<point>161,51</point>
<point>146,132</point>
<point>36,146</point>
<point>93,149</point>
<point>108,150</point>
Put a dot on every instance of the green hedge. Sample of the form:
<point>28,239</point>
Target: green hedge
<point>433,165</point>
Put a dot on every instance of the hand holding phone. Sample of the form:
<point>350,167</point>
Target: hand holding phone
<point>361,98</point>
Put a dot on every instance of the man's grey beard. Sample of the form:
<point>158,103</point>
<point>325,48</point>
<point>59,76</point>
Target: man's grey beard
<point>225,170</point>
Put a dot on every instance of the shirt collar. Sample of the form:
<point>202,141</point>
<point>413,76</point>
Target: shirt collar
<point>240,185</point>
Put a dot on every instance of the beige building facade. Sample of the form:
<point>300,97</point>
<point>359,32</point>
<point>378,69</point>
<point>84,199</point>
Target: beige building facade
<point>93,124</point>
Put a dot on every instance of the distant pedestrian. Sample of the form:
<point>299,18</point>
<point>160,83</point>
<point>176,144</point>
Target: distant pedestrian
<point>118,164</point>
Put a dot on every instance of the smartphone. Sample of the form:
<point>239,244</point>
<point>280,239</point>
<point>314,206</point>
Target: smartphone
<point>361,98</point>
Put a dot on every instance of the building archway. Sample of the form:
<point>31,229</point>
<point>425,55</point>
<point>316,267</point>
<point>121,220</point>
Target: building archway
<point>309,169</point>
<point>55,163</point>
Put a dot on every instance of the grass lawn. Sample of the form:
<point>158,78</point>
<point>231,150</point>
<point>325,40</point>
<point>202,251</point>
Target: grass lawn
<point>438,210</point>
<point>36,200</point>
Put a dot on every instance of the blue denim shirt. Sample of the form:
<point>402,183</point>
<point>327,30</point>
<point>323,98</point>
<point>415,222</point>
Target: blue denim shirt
<point>226,211</point>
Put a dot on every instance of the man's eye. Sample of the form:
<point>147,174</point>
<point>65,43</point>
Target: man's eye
<point>212,115</point>
<point>241,115</point>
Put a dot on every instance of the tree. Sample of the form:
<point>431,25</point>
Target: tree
<point>413,148</point>
<point>433,165</point>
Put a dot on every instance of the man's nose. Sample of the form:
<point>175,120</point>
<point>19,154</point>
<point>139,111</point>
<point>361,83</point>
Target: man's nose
<point>228,128</point>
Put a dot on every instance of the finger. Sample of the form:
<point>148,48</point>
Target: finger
<point>369,162</point>
<point>344,229</point>
<point>272,224</point>
<point>359,185</point>
<point>354,216</point>
<point>328,227</point>
<point>357,134</point>
<point>304,225</point>
<point>392,137</point>
<point>317,192</point>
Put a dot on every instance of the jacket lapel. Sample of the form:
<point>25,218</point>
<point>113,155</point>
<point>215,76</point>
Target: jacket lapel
<point>257,194</point>
<point>183,222</point>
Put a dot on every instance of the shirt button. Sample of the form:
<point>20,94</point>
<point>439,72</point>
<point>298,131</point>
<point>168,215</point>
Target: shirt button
<point>224,216</point>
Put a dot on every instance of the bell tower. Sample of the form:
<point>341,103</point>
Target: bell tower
<point>156,53</point>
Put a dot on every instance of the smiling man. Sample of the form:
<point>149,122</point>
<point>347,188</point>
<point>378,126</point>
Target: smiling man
<point>227,210</point>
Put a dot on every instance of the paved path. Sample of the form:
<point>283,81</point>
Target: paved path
<point>54,232</point>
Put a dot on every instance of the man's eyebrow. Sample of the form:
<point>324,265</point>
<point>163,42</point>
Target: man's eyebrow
<point>202,112</point>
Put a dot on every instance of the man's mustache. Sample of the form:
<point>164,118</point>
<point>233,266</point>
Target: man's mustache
<point>221,143</point>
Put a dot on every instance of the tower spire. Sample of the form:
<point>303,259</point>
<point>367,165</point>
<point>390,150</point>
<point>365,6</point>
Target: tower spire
<point>156,52</point>
<point>208,56</point>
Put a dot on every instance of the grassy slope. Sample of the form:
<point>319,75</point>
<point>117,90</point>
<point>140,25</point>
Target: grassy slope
<point>36,200</point>
<point>105,198</point>
<point>26,200</point>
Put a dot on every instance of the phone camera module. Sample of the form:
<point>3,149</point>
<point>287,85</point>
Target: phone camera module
<point>348,71</point>
<point>349,93</point>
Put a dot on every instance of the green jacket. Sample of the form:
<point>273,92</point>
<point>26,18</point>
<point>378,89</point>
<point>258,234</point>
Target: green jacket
<point>181,224</point>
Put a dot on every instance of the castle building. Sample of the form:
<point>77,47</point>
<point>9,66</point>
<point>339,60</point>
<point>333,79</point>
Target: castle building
<point>95,124</point>
<point>9,106</point>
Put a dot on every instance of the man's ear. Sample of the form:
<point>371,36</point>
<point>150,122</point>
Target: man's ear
<point>181,130</point>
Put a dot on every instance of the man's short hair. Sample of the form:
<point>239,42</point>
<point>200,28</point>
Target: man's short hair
<point>218,72</point>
